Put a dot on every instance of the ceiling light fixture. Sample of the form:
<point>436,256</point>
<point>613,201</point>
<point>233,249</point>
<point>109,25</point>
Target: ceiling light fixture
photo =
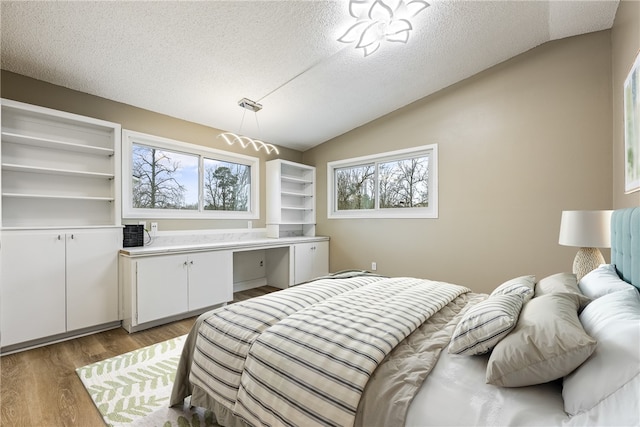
<point>244,141</point>
<point>381,20</point>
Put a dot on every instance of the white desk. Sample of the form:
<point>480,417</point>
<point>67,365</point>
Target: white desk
<point>167,282</point>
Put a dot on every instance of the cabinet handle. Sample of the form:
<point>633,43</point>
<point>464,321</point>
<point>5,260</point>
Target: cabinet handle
<point>191,262</point>
<point>59,237</point>
<point>72,237</point>
<point>185,264</point>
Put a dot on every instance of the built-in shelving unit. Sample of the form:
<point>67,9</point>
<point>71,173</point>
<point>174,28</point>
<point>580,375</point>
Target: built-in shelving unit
<point>58,169</point>
<point>60,225</point>
<point>291,203</point>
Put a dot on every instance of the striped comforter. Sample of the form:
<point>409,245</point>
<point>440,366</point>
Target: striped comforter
<point>304,355</point>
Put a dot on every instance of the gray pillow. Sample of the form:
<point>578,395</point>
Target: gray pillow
<point>547,343</point>
<point>561,282</point>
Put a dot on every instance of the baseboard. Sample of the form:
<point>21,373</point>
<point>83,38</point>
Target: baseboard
<point>249,284</point>
<point>126,324</point>
<point>15,348</point>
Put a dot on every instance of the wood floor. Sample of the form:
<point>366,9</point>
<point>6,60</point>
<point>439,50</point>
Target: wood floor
<point>40,387</point>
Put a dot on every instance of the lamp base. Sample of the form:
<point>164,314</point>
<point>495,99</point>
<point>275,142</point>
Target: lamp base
<point>586,260</point>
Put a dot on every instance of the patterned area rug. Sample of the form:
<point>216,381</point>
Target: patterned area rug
<point>133,389</point>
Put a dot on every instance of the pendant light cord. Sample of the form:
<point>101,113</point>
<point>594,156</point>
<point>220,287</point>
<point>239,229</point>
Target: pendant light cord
<point>314,65</point>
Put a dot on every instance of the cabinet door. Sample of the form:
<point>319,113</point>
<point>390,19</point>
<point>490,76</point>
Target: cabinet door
<point>320,265</point>
<point>311,260</point>
<point>32,301</point>
<point>210,279</point>
<point>92,277</point>
<point>161,287</point>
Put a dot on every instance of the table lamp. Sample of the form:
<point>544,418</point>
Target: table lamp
<point>588,230</point>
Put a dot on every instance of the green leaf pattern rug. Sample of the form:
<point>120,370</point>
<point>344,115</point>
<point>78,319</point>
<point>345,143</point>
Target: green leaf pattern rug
<point>133,389</point>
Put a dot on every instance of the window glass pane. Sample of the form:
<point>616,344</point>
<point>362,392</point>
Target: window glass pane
<point>163,179</point>
<point>404,183</point>
<point>227,186</point>
<point>355,187</point>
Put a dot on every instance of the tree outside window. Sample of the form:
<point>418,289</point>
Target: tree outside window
<point>404,183</point>
<point>162,179</point>
<point>226,186</point>
<point>356,187</point>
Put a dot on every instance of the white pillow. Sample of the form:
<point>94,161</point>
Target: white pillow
<point>602,281</point>
<point>523,286</point>
<point>614,321</point>
<point>485,324</point>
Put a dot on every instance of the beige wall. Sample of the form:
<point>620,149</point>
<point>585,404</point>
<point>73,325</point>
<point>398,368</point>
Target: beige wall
<point>517,144</point>
<point>24,89</point>
<point>625,37</point>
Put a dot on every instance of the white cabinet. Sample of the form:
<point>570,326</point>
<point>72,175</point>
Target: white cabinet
<point>291,202</point>
<point>58,169</point>
<point>163,286</point>
<point>57,281</point>
<point>311,260</point>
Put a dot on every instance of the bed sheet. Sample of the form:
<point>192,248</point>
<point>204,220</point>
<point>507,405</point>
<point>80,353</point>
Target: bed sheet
<point>455,394</point>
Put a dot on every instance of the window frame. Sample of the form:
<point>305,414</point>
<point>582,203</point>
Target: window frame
<point>430,212</point>
<point>129,138</point>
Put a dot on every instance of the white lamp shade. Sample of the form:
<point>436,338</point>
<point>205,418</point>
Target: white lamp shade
<point>586,229</point>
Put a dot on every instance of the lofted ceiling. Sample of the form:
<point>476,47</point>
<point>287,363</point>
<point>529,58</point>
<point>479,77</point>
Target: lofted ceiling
<point>196,60</point>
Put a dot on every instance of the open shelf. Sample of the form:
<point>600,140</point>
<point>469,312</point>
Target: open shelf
<point>55,144</point>
<point>55,171</point>
<point>296,180</point>
<point>55,197</point>
<point>58,168</point>
<point>295,194</point>
<point>296,208</point>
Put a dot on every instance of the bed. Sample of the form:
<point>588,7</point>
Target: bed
<point>361,349</point>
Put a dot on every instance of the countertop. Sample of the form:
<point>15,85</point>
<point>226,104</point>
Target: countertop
<point>257,243</point>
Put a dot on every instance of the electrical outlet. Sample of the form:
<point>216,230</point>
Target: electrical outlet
<point>143,224</point>
<point>249,224</point>
<point>374,266</point>
<point>154,228</point>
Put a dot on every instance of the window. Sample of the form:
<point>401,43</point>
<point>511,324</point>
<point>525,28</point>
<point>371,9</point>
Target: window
<point>397,184</point>
<point>172,179</point>
<point>227,186</point>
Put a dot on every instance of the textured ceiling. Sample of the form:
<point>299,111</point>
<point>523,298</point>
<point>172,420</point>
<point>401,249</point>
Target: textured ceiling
<point>195,60</point>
